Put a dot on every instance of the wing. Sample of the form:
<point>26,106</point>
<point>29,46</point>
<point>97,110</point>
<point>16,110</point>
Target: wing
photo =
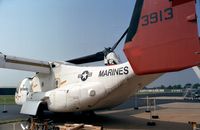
<point>18,63</point>
<point>163,36</point>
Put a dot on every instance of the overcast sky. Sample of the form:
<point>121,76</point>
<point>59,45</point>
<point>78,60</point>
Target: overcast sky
<point>56,30</point>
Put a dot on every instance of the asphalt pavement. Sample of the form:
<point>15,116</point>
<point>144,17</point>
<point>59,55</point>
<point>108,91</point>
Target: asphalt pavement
<point>174,113</point>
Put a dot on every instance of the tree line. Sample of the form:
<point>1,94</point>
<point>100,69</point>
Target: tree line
<point>179,86</point>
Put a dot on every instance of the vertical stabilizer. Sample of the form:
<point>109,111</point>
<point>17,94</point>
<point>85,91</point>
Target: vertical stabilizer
<point>163,36</point>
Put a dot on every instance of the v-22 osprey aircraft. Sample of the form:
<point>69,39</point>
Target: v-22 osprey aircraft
<point>162,37</point>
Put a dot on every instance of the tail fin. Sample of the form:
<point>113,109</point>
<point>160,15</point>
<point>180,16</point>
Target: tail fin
<point>163,36</point>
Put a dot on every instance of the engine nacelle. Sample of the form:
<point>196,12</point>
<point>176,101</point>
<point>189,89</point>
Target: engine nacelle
<point>111,59</point>
<point>23,91</point>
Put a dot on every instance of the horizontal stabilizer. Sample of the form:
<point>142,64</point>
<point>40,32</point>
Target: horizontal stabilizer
<point>197,71</point>
<point>18,63</point>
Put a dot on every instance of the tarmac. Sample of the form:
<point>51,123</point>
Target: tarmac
<point>175,115</point>
<point>176,112</point>
<point>13,113</point>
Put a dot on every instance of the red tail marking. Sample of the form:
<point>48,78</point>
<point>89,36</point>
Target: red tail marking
<point>165,40</point>
<point>178,2</point>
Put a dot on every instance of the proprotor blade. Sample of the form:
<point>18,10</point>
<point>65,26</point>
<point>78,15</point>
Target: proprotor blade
<point>99,56</point>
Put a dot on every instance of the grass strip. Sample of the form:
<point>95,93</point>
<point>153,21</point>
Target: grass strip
<point>3,122</point>
<point>7,100</point>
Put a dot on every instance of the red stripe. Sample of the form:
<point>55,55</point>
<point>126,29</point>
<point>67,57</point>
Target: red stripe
<point>179,2</point>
